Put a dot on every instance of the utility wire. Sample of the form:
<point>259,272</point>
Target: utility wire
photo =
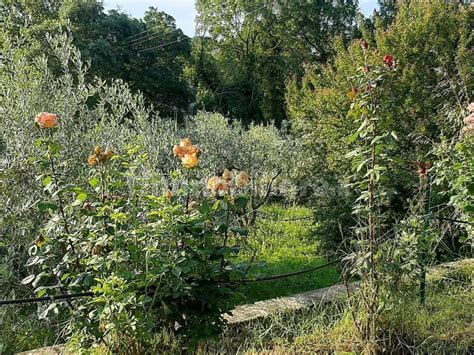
<point>272,218</point>
<point>47,298</point>
<point>89,294</point>
<point>282,276</point>
<point>153,36</point>
<point>161,45</point>
<point>138,34</point>
<point>454,220</point>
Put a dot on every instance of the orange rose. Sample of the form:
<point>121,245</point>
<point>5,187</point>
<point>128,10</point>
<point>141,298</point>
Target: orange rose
<point>92,160</point>
<point>193,150</point>
<point>109,154</point>
<point>242,179</point>
<point>185,142</point>
<point>46,120</point>
<point>227,175</point>
<point>190,161</point>
<point>213,182</point>
<point>178,151</point>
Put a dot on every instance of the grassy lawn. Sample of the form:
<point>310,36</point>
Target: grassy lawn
<point>283,247</point>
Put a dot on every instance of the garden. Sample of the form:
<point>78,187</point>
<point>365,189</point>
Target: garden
<point>288,147</point>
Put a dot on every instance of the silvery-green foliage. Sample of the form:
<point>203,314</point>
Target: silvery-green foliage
<point>260,150</point>
<point>95,113</point>
<point>91,113</point>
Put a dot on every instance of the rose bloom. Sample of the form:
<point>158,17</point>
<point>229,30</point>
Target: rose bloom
<point>469,120</point>
<point>227,175</point>
<point>468,130</point>
<point>169,194</point>
<point>213,182</point>
<point>364,44</point>
<point>190,161</point>
<point>192,149</point>
<point>216,184</point>
<point>109,154</point>
<point>179,151</point>
<point>92,160</point>
<point>185,142</point>
<point>46,120</point>
<point>389,60</point>
<point>242,179</point>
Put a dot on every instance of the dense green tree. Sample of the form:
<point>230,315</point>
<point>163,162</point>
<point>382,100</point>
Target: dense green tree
<point>387,11</point>
<point>148,54</point>
<point>431,43</point>
<point>246,50</point>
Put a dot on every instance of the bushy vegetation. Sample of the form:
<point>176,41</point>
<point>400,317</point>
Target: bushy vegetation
<point>329,138</point>
<point>281,242</point>
<point>423,104</point>
<point>441,326</point>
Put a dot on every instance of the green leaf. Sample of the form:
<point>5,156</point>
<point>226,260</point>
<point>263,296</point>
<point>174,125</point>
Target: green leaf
<point>94,182</point>
<point>47,180</point>
<point>468,208</point>
<point>353,137</point>
<point>43,206</point>
<point>204,208</point>
<point>470,188</point>
<point>240,202</point>
<point>82,196</point>
<point>241,231</point>
<point>352,153</point>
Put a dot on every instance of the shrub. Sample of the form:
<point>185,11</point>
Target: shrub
<point>430,43</point>
<point>153,262</point>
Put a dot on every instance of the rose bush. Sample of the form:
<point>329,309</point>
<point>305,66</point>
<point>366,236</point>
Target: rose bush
<point>155,263</point>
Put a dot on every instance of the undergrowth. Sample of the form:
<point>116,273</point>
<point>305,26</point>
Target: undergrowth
<point>282,242</point>
<point>442,326</point>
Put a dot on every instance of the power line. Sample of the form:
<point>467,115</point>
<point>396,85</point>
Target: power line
<point>160,46</point>
<point>47,298</point>
<point>273,217</point>
<point>138,34</point>
<point>454,220</point>
<point>282,276</point>
<point>153,36</point>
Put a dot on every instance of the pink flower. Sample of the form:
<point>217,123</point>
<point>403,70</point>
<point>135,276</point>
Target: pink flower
<point>469,119</point>
<point>46,120</point>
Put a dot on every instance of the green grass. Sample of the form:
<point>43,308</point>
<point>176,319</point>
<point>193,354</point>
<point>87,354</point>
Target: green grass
<point>444,325</point>
<point>284,247</point>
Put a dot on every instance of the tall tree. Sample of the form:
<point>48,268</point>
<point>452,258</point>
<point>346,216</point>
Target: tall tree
<point>255,46</point>
<point>148,54</point>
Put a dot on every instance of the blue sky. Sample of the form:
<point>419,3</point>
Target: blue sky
<point>183,10</point>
